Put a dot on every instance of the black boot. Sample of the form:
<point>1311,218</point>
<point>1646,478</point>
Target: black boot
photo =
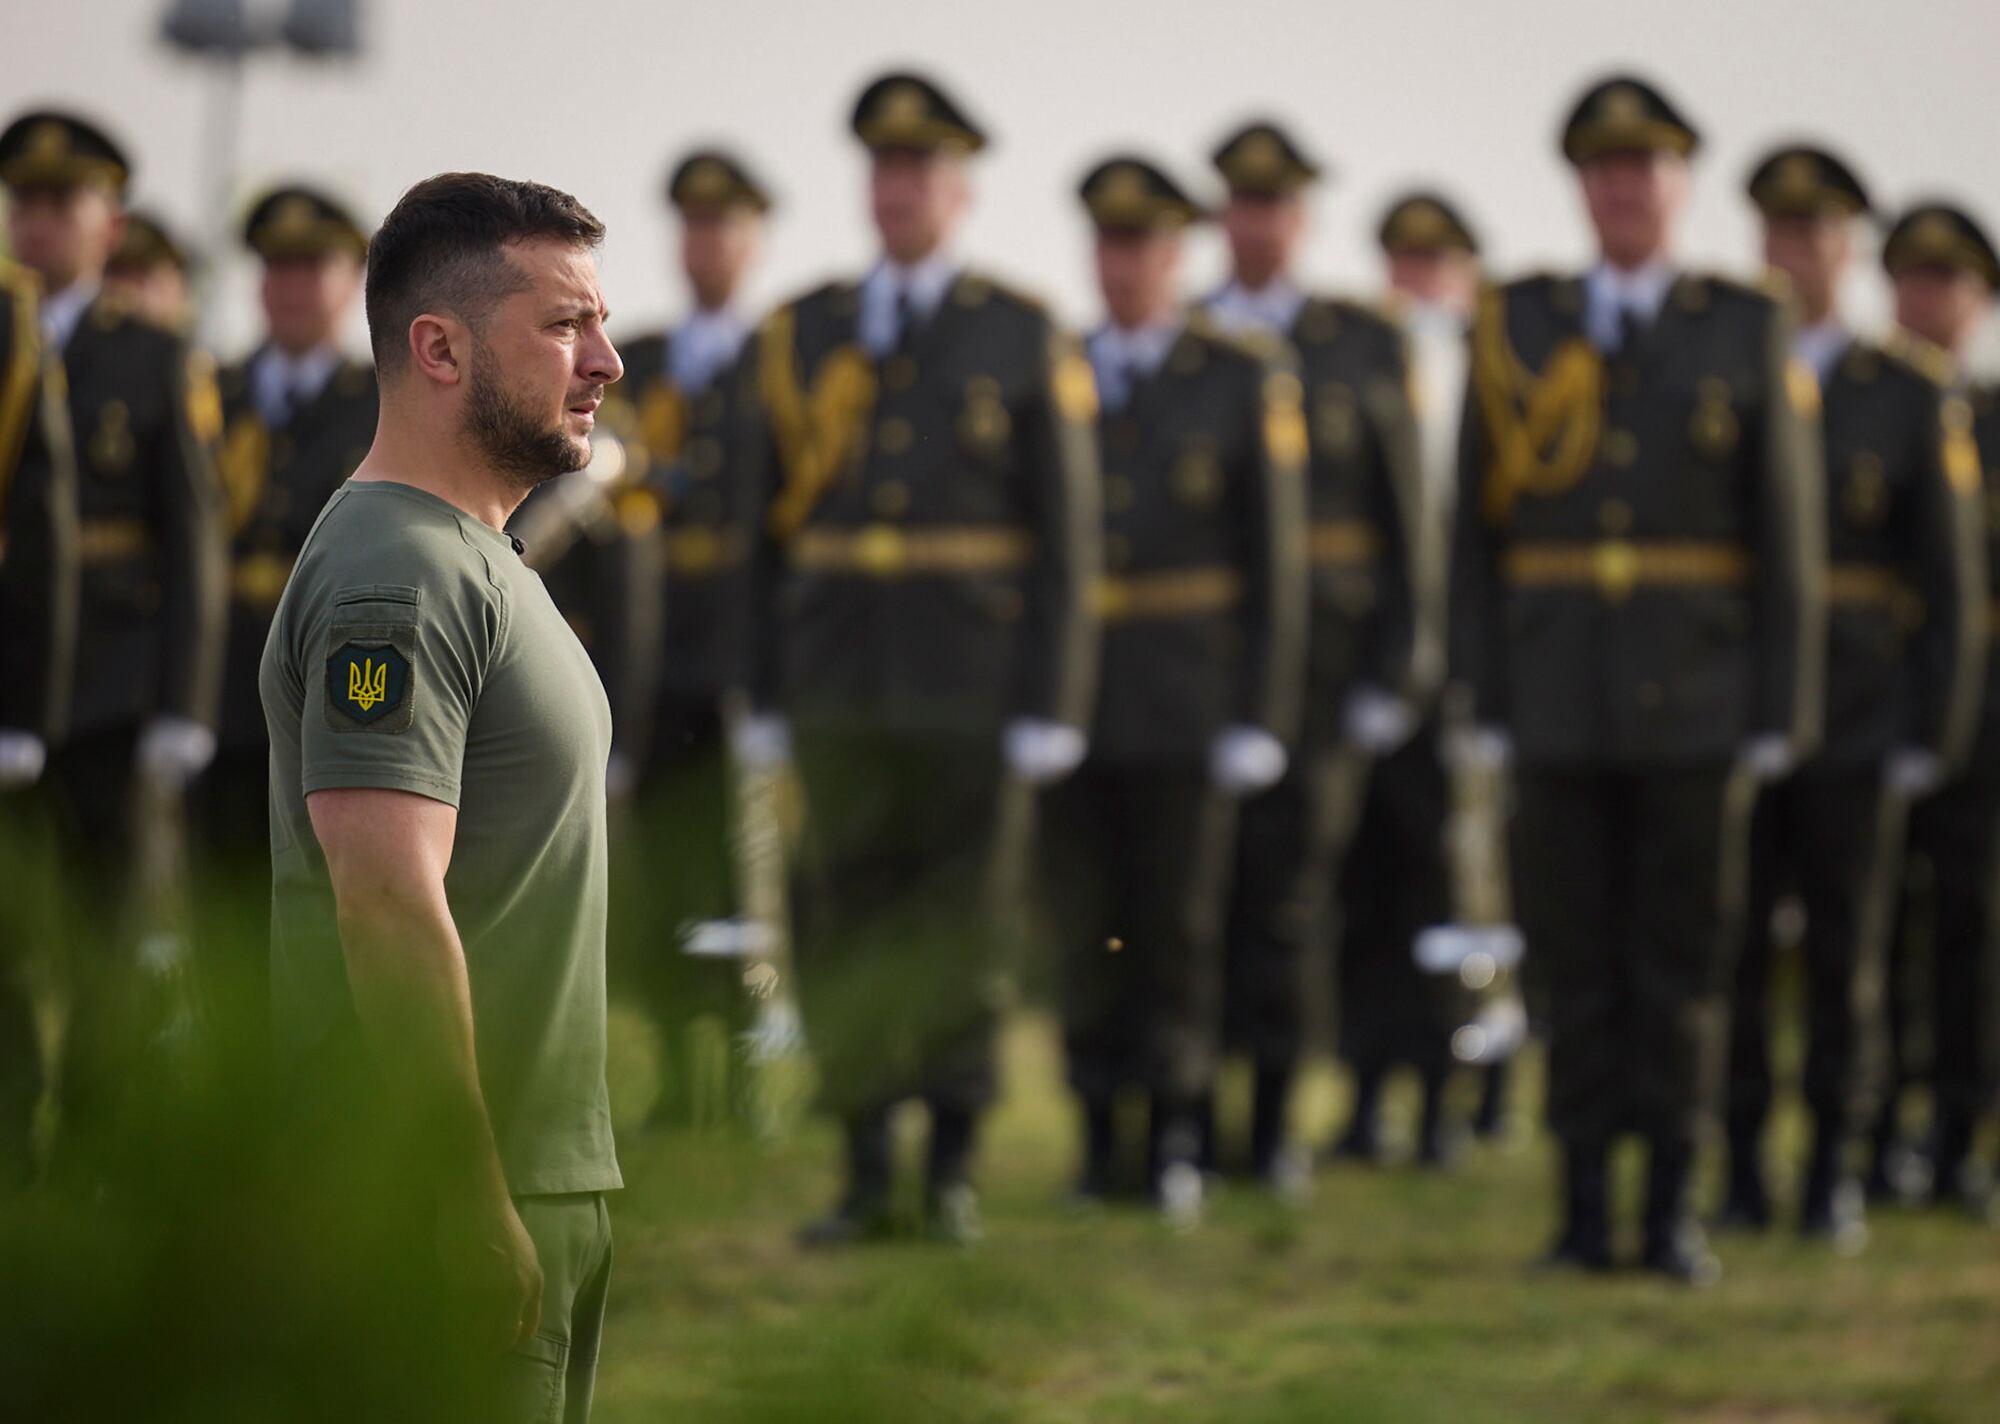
<point>951,1206</point>
<point>1491,1117</point>
<point>863,1213</point>
<point>1747,1207</point>
<point>1675,1244</point>
<point>1362,1142</point>
<point>1097,1179</point>
<point>1584,1243</point>
<point>1437,1139</point>
<point>1830,1201</point>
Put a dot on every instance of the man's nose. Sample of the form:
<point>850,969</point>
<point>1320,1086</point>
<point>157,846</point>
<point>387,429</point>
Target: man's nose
<point>598,361</point>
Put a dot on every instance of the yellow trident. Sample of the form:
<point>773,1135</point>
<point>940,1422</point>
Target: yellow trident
<point>367,684</point>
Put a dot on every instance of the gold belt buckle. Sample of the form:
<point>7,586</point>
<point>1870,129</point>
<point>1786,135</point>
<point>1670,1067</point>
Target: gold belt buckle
<point>1614,565</point>
<point>881,551</point>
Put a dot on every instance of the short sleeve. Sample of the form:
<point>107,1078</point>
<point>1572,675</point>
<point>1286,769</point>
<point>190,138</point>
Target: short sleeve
<point>392,674</point>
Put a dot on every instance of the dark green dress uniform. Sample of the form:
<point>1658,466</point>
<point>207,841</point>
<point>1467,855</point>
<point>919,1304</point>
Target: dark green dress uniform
<point>930,522</point>
<point>1203,600</point>
<point>1904,587</point>
<point>1360,499</point>
<point>1637,598</point>
<point>143,411</point>
<point>1956,832</point>
<point>684,409</point>
<point>38,594</point>
<point>294,428</point>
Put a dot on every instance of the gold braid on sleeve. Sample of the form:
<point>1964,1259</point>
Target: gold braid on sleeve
<point>1542,426</point>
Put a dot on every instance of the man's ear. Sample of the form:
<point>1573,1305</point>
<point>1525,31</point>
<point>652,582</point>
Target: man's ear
<point>438,348</point>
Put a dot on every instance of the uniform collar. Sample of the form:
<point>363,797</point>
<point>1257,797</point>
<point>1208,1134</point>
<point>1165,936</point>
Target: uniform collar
<point>1609,292</point>
<point>1273,307</point>
<point>925,282</point>
<point>1822,344</point>
<point>1122,356</point>
<point>63,312</point>
<point>704,344</point>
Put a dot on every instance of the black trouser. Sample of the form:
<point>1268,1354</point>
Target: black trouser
<point>229,853</point>
<point>1619,886</point>
<point>1138,855</point>
<point>92,790</point>
<point>1957,834</point>
<point>1816,833</point>
<point>1394,884</point>
<point>675,869</point>
<point>894,916</point>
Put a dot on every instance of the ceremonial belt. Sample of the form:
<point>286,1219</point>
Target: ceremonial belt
<point>110,541</point>
<point>1170,593</point>
<point>1341,543</point>
<point>891,551</point>
<point>1866,586</point>
<point>259,579</point>
<point>1614,567</point>
<point>701,550</point>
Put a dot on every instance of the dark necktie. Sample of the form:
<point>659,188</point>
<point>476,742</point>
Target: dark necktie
<point>907,320</point>
<point>1632,328</point>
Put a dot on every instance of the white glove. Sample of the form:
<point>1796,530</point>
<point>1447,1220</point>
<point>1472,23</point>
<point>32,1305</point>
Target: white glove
<point>761,741</point>
<point>1242,760</point>
<point>22,757</point>
<point>175,750</point>
<point>1377,722</point>
<point>1041,752</point>
<point>620,776</point>
<point>1913,772</point>
<point>1486,748</point>
<point>1766,756</point>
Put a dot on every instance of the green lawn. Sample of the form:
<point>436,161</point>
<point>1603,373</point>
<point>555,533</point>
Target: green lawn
<point>1392,1296</point>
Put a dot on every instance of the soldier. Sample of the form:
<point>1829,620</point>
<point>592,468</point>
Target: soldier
<point>921,626</point>
<point>1945,272</point>
<point>1360,616</point>
<point>38,606</point>
<point>143,410</point>
<point>1203,602</point>
<point>298,415</point>
<point>1432,258</point>
<point>149,271</point>
<point>681,408</point>
<point>1637,612</point>
<point>1901,683</point>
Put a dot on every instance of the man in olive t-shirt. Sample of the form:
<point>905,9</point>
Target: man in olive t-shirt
<point>438,750</point>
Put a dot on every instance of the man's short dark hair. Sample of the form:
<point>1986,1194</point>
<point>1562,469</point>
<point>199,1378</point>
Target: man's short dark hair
<point>443,249</point>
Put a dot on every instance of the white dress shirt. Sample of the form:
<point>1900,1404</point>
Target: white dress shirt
<point>707,342</point>
<point>924,284</point>
<point>283,384</point>
<point>1271,307</point>
<point>61,312</point>
<point>1609,292</point>
<point>1121,356</point>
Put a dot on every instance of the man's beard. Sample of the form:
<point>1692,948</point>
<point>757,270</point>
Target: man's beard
<point>513,441</point>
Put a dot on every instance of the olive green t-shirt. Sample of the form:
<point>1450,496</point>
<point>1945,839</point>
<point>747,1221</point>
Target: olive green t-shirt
<point>414,650</point>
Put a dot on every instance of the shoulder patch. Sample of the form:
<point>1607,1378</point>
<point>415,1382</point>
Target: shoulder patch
<point>369,683</point>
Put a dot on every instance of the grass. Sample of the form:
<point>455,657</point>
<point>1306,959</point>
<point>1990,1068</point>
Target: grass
<point>1391,1296</point>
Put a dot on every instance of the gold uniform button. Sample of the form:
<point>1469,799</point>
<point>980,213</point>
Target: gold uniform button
<point>891,499</point>
<point>1614,516</point>
<point>900,373</point>
<point>1621,447</point>
<point>896,436</point>
<point>1118,494</point>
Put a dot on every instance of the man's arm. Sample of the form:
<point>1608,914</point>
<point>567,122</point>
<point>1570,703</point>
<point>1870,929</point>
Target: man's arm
<point>386,855</point>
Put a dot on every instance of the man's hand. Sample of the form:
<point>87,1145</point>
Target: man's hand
<point>1377,722</point>
<point>1913,772</point>
<point>1767,757</point>
<point>22,756</point>
<point>488,1255</point>
<point>174,750</point>
<point>761,741</point>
